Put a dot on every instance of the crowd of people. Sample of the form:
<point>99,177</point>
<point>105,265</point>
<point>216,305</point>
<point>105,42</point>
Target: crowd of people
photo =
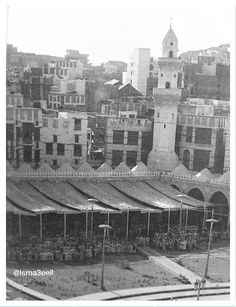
<point>78,248</point>
<point>177,239</point>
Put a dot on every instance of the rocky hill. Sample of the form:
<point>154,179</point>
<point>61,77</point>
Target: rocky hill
<point>221,54</point>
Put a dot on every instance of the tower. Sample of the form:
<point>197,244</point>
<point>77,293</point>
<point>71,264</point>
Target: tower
<point>138,70</point>
<point>166,97</point>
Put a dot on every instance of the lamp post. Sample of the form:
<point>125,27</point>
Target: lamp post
<point>181,206</point>
<point>212,221</point>
<point>198,285</point>
<point>105,228</point>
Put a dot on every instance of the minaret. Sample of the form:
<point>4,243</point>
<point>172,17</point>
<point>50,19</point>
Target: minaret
<point>166,97</point>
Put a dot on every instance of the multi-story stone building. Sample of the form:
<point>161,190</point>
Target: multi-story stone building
<point>63,138</point>
<point>71,69</point>
<point>67,95</point>
<point>128,140</point>
<point>202,139</point>
<point>22,132</point>
<point>138,70</point>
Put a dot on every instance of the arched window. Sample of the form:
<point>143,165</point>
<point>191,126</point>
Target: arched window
<point>167,84</point>
<point>186,158</point>
<point>170,54</point>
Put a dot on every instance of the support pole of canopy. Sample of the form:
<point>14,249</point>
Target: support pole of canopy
<point>20,233</point>
<point>204,217</point>
<point>86,224</point>
<point>148,222</point>
<point>186,219</point>
<point>180,215</point>
<point>168,225</point>
<point>228,222</point>
<point>41,226</point>
<point>127,225</point>
<point>64,225</point>
<point>108,222</point>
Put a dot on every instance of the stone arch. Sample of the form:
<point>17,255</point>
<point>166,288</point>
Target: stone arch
<point>197,194</point>
<point>222,210</point>
<point>219,198</point>
<point>167,84</point>
<point>175,187</point>
<point>186,158</point>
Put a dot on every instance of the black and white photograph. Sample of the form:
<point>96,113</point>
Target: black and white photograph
<point>118,152</point>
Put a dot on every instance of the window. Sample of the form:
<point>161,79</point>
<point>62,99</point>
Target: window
<point>54,162</point>
<point>164,125</point>
<point>186,158</point>
<point>189,134</point>
<point>10,132</point>
<point>146,141</point>
<point>77,124</point>
<point>131,116</point>
<point>77,150</point>
<point>172,115</point>
<point>167,84</point>
<point>27,129</point>
<point>76,138</point>
<point>49,148</point>
<point>201,159</point>
<point>37,155</point>
<point>76,161</point>
<point>131,158</point>
<point>158,114</point>
<point>174,75</point>
<point>37,145</point>
<point>203,136</point>
<point>170,54</point>
<point>37,134</point>
<point>178,133</point>
<point>117,157</point>
<point>27,153</point>
<point>171,44</point>
<point>55,139</point>
<point>161,75</point>
<point>132,138</point>
<point>60,149</point>
<point>45,122</point>
<point>118,137</point>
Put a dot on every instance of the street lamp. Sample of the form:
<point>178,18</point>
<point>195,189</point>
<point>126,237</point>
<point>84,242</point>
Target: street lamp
<point>212,221</point>
<point>181,205</point>
<point>105,228</point>
<point>198,285</point>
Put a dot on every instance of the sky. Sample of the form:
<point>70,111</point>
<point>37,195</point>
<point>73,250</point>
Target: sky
<point>109,30</point>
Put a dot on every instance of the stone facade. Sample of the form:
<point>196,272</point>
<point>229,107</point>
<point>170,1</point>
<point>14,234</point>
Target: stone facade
<point>64,139</point>
<point>134,134</point>
<point>205,150</point>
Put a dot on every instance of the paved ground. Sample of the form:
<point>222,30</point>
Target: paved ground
<point>209,298</point>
